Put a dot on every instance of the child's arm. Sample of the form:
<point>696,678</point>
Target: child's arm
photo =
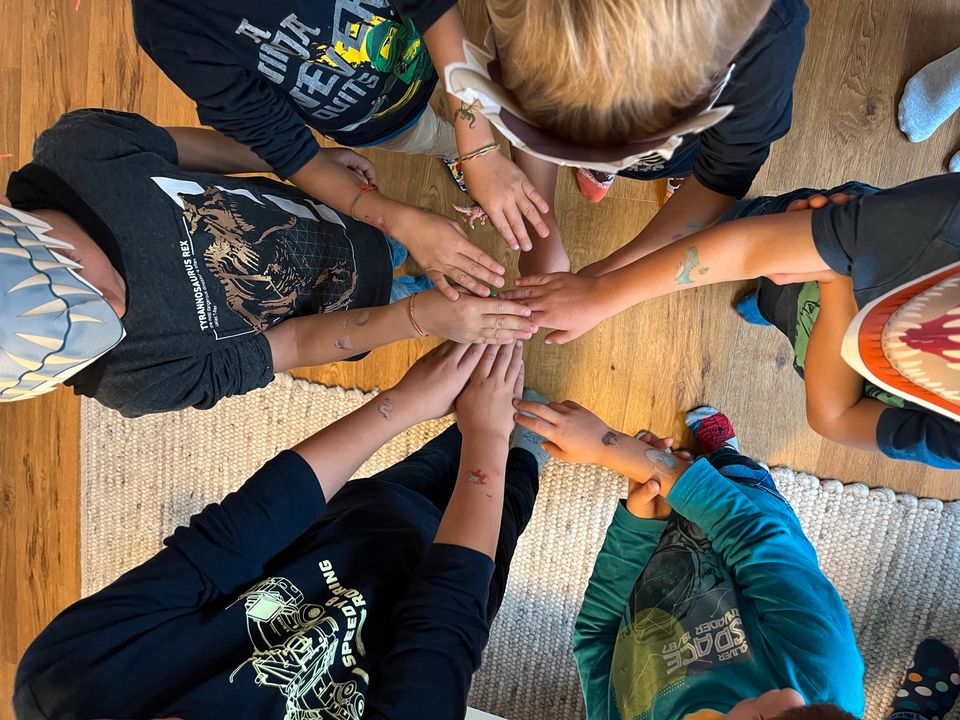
<point>627,547</point>
<point>836,407</point>
<point>440,625</point>
<point>805,629</point>
<point>692,208</point>
<point>501,188</point>
<point>329,337</point>
<point>770,245</point>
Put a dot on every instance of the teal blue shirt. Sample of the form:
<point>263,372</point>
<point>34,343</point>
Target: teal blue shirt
<point>723,601</point>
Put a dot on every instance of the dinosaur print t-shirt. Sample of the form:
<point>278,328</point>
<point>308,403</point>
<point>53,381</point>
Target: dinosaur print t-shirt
<point>209,261</point>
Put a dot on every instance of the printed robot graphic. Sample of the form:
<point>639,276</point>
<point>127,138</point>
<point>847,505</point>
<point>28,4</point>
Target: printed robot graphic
<point>683,617</point>
<point>295,647</point>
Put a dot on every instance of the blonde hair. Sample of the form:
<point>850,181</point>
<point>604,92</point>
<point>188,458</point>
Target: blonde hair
<point>606,72</point>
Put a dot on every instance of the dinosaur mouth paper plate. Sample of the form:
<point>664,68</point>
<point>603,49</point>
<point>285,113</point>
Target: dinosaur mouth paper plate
<point>908,342</point>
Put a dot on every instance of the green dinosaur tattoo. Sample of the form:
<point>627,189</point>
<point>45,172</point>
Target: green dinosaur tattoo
<point>467,112</point>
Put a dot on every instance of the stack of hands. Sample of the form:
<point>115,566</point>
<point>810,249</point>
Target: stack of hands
<point>483,384</point>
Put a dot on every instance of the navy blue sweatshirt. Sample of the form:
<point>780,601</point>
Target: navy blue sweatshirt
<point>260,72</point>
<point>273,604</point>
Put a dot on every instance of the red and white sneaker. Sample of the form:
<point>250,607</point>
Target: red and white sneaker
<point>594,184</point>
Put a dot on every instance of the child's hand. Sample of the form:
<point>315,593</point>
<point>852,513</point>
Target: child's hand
<point>484,408</point>
<point>571,304</point>
<point>573,433</point>
<point>507,196</point>
<point>353,161</point>
<point>443,250</point>
<point>435,380</point>
<point>643,494</point>
<point>470,319</point>
<point>815,202</point>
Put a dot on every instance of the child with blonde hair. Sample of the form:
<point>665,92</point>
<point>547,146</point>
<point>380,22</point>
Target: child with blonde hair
<point>654,89</point>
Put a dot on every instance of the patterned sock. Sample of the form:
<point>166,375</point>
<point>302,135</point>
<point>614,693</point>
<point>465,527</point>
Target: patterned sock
<point>931,684</point>
<point>594,184</point>
<point>528,439</point>
<point>456,172</point>
<point>930,97</point>
<point>712,428</point>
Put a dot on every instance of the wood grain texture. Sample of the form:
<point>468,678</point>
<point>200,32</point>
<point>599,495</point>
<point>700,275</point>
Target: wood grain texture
<point>641,369</point>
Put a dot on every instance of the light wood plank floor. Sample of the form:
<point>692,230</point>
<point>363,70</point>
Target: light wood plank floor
<point>643,368</point>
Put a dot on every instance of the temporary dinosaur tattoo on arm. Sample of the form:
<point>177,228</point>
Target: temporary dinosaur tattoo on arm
<point>691,262</point>
<point>385,408</point>
<point>661,458</point>
<point>611,439</point>
<point>468,112</point>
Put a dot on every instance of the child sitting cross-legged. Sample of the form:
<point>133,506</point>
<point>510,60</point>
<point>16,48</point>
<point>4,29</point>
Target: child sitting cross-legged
<point>706,600</point>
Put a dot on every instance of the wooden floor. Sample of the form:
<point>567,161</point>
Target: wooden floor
<point>642,369</point>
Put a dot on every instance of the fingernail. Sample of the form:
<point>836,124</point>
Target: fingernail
<point>548,342</point>
<point>499,281</point>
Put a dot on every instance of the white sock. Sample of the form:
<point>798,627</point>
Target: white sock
<point>930,97</point>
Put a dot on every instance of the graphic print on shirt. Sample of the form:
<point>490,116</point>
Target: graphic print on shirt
<point>271,257</point>
<point>300,648</point>
<point>360,59</point>
<point>683,619</point>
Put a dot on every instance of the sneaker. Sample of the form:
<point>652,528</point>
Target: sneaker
<point>673,184</point>
<point>456,172</point>
<point>749,309</point>
<point>594,184</point>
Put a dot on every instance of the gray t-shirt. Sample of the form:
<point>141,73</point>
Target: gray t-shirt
<point>210,261</point>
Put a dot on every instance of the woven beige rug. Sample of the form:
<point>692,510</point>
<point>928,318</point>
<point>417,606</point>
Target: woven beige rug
<point>894,559</point>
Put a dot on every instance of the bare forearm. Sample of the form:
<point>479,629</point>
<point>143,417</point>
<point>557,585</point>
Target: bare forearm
<point>330,337</point>
<point>836,407</point>
<point>205,150</point>
<point>337,452</point>
<point>738,250</point>
<point>343,190</point>
<point>472,517</point>
<point>635,459</point>
<point>444,40</point>
<point>691,209</point>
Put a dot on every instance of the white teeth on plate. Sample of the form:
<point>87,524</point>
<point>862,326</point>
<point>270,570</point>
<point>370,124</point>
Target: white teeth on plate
<point>952,324</point>
<point>903,354</point>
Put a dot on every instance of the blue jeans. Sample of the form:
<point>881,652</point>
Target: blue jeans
<point>771,205</point>
<point>432,472</point>
<point>741,469</point>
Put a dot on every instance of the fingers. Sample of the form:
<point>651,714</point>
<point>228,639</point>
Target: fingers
<point>798,204</point>
<point>468,282</point>
<point>684,455</point>
<point>840,198</point>
<point>519,228</point>
<point>531,192</point>
<point>537,425</point>
<point>540,410</point>
<point>554,449</point>
<point>505,307</point>
<point>518,383</point>
<point>502,224</point>
<point>440,280</point>
<point>573,405</point>
<point>531,215</point>
<point>504,358</point>
<point>479,270</point>
<point>485,364</point>
<point>515,367</point>
<point>469,356</point>
<point>645,492</point>
<point>532,280</point>
<point>560,337</point>
<point>481,258</point>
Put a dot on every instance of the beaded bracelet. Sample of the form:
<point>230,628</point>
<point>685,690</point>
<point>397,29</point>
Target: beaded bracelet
<point>413,322</point>
<point>364,189</point>
<point>482,151</point>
